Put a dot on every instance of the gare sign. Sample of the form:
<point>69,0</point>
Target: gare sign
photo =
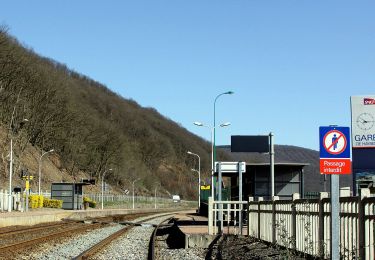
<point>363,121</point>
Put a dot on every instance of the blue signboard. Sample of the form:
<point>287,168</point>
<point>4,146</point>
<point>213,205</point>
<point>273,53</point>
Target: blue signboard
<point>334,142</point>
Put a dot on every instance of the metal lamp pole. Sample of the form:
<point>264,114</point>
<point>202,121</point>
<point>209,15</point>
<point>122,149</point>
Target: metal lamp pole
<point>103,176</point>
<point>40,168</point>
<point>214,143</point>
<point>11,164</point>
<point>10,175</point>
<point>199,178</point>
<point>212,152</point>
<point>133,189</point>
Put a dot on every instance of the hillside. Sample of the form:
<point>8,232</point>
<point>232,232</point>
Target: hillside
<point>90,128</point>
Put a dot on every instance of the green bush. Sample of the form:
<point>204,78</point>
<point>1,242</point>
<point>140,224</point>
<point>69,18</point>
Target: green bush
<point>36,201</point>
<point>92,203</point>
<point>50,203</point>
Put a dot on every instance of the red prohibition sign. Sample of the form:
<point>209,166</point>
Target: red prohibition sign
<point>334,142</point>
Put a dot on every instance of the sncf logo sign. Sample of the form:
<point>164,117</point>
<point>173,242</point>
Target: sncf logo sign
<point>369,101</point>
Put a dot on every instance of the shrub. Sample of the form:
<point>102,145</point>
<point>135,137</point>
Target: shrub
<point>92,203</point>
<point>36,201</point>
<point>50,203</point>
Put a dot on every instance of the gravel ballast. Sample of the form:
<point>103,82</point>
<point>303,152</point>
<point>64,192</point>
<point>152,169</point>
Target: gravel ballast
<point>75,246</point>
<point>132,245</point>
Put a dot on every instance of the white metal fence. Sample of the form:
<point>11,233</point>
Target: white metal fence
<point>125,198</point>
<point>112,200</point>
<point>17,201</point>
<point>304,225</point>
<point>126,201</point>
<point>226,216</point>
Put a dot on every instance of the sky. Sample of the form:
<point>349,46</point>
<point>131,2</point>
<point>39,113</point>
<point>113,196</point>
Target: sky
<point>292,64</point>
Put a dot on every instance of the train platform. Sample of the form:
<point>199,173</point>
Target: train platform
<point>191,223</point>
<point>194,230</point>
<point>38,216</point>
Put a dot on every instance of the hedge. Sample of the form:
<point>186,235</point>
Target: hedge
<point>36,201</point>
<point>92,203</point>
<point>50,203</point>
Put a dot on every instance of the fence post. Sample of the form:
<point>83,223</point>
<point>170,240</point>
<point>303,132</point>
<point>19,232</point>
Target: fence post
<point>210,216</point>
<point>361,223</point>
<point>322,195</point>
<point>5,200</point>
<point>274,198</point>
<point>259,199</point>
<point>296,196</point>
<point>251,199</point>
<point>1,200</point>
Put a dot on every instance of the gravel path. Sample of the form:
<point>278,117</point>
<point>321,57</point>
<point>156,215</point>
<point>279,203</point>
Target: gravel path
<point>188,254</point>
<point>241,247</point>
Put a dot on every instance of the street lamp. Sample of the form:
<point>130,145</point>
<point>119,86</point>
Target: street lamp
<point>199,179</point>
<point>11,163</point>
<point>40,168</point>
<point>103,176</point>
<point>133,189</point>
<point>214,143</point>
<point>212,129</point>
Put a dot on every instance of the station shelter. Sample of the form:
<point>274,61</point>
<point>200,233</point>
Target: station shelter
<point>289,179</point>
<point>256,181</point>
<point>70,193</point>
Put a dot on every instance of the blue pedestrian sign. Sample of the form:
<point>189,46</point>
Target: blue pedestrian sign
<point>335,150</point>
<point>334,142</point>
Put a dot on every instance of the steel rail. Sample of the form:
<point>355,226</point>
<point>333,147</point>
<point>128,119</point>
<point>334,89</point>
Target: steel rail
<point>97,247</point>
<point>49,236</point>
<point>151,250</point>
<point>28,229</point>
<point>106,241</point>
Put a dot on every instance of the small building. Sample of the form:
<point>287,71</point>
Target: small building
<point>70,193</point>
<point>257,180</point>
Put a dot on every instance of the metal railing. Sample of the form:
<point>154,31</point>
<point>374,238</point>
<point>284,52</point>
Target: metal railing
<point>226,216</point>
<point>125,198</point>
<point>120,201</point>
<point>17,201</point>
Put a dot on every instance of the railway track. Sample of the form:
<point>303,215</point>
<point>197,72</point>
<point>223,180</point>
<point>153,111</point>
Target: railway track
<point>22,230</point>
<point>105,242</point>
<point>20,239</point>
<point>97,247</point>
<point>152,245</point>
<point>18,245</point>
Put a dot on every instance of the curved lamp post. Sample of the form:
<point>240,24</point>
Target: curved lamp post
<point>212,129</point>
<point>199,178</point>
<point>103,176</point>
<point>40,169</point>
<point>214,142</point>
